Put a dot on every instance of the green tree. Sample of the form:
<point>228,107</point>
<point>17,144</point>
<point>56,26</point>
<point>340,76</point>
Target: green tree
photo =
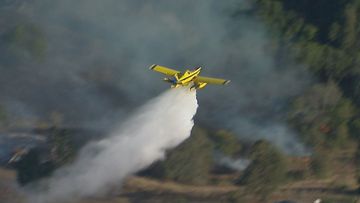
<point>267,170</point>
<point>293,29</point>
<point>341,136</point>
<point>310,53</point>
<point>314,39</point>
<point>315,102</point>
<point>344,110</point>
<point>334,32</point>
<point>349,31</point>
<point>322,115</point>
<point>226,142</point>
<point>191,161</point>
<point>309,32</point>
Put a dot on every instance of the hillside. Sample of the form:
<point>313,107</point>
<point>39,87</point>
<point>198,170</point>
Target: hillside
<point>76,96</point>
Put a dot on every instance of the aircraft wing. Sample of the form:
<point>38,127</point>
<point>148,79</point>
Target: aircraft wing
<point>164,70</point>
<point>209,80</point>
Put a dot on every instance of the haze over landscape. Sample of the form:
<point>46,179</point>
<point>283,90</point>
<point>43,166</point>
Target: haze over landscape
<point>83,119</point>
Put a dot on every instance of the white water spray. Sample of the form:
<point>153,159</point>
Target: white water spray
<point>162,123</point>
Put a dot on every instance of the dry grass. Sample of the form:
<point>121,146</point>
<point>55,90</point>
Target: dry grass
<point>307,190</point>
<point>7,175</point>
<point>140,184</point>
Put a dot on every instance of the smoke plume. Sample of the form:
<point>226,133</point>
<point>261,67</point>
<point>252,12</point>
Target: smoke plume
<point>160,124</point>
<point>95,67</point>
<point>237,164</point>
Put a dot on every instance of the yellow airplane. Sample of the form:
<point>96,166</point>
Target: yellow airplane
<point>188,77</point>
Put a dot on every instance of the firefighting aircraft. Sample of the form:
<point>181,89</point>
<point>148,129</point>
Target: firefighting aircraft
<point>187,78</point>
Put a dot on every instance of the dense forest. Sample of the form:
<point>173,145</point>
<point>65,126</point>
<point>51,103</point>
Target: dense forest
<point>322,36</point>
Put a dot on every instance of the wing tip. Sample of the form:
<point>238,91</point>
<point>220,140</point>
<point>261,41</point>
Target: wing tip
<point>152,66</point>
<point>226,82</point>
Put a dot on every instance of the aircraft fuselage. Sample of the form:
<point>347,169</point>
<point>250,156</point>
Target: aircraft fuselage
<point>184,79</point>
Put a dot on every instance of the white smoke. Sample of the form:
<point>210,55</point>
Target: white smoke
<point>237,164</point>
<point>162,123</point>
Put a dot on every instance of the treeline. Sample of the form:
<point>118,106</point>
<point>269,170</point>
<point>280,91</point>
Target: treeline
<point>330,49</point>
<point>322,35</point>
<point>193,162</point>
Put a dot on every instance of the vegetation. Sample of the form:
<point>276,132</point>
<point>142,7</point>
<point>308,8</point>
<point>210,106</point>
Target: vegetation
<point>226,142</point>
<point>267,170</point>
<point>62,151</point>
<point>320,164</point>
<point>323,115</point>
<point>31,167</point>
<point>191,162</point>
<point>327,47</point>
<point>325,40</point>
<point>41,162</point>
<point>322,36</point>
